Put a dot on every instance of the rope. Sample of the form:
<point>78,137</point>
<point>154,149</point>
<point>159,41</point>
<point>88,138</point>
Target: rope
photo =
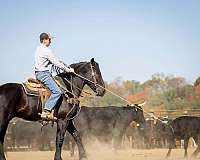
<point>77,87</point>
<point>122,98</point>
<point>74,105</point>
<point>66,90</point>
<point>71,92</point>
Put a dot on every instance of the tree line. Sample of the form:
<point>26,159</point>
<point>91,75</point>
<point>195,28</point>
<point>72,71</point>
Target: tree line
<point>160,92</point>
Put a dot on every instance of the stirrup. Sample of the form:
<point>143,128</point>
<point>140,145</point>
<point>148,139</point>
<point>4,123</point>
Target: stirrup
<point>48,117</point>
<point>45,123</point>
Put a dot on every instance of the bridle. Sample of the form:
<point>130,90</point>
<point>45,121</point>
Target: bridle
<point>75,100</point>
<point>93,75</point>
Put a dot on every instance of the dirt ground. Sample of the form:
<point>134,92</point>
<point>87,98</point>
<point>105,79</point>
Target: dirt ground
<point>153,154</point>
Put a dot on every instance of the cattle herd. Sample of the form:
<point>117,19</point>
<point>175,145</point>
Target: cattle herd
<point>117,126</point>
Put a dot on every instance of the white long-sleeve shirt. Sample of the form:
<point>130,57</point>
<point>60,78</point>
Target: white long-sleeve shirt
<point>45,57</point>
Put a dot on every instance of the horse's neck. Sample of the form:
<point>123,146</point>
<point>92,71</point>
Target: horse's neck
<point>77,83</point>
<point>76,86</point>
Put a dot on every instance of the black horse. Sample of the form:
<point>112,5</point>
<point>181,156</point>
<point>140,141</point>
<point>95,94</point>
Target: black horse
<point>16,103</point>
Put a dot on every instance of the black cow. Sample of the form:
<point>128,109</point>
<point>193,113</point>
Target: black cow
<point>161,131</point>
<point>144,138</point>
<point>25,133</point>
<point>184,127</point>
<point>135,134</point>
<point>107,123</point>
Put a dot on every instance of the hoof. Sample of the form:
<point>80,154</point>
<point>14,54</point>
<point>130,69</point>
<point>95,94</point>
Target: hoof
<point>84,158</point>
<point>194,156</point>
<point>167,157</point>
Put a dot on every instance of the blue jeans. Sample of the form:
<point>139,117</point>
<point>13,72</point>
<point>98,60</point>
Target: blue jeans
<point>46,78</point>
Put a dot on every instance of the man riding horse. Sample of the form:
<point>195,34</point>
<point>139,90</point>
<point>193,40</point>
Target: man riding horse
<point>43,58</point>
<point>25,100</point>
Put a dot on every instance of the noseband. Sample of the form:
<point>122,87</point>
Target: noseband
<point>93,75</point>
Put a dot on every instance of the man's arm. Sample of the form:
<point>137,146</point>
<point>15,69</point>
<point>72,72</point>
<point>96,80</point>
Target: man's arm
<point>54,60</point>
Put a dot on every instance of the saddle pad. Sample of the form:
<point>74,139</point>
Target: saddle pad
<point>34,89</point>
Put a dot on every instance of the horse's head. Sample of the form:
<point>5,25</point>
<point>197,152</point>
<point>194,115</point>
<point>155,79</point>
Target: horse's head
<point>91,74</point>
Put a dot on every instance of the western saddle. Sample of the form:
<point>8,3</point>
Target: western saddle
<point>36,88</point>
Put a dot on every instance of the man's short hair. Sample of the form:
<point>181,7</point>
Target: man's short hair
<point>44,36</point>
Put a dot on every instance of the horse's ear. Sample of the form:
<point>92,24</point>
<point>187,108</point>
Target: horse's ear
<point>92,61</point>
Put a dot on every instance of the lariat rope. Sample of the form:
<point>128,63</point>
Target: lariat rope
<point>129,103</point>
<point>122,98</point>
<point>115,94</point>
<point>77,87</point>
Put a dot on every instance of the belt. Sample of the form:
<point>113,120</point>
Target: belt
<point>42,71</point>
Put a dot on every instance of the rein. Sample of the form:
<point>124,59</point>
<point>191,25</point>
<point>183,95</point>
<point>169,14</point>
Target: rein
<point>74,104</point>
<point>93,74</point>
<point>76,87</point>
<point>76,98</point>
<point>72,85</point>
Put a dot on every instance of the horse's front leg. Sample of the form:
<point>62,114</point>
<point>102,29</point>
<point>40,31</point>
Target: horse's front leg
<point>61,129</point>
<point>73,131</point>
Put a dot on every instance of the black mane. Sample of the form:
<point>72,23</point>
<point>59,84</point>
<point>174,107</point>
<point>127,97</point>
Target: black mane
<point>77,65</point>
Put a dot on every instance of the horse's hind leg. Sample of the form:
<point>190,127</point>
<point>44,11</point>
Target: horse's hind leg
<point>3,127</point>
<point>73,131</point>
<point>2,134</point>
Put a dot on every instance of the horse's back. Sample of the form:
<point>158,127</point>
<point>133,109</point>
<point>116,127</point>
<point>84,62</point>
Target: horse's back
<point>10,87</point>
<point>10,92</point>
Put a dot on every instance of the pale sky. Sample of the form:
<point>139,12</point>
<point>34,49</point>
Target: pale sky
<point>132,39</point>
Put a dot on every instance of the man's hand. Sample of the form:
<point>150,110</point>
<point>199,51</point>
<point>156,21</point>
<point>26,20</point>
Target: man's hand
<point>71,70</point>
